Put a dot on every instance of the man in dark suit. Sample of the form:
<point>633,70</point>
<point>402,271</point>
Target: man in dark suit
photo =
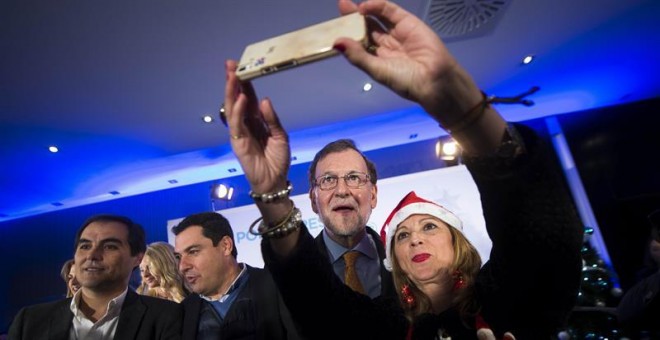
<point>108,248</point>
<point>343,193</point>
<point>231,300</point>
<point>639,309</point>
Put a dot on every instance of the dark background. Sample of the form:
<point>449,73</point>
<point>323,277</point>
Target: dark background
<point>617,152</point>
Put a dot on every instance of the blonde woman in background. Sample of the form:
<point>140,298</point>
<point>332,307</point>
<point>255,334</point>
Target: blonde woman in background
<point>160,274</point>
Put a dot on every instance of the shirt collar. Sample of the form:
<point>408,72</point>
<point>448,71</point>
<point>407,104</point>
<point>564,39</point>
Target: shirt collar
<point>114,305</point>
<point>366,246</point>
<point>235,284</point>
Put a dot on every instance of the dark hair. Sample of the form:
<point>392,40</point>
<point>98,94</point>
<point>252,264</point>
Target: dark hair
<point>214,226</point>
<point>339,146</point>
<point>136,238</point>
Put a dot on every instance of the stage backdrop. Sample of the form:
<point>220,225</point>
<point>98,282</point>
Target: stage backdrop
<point>452,187</point>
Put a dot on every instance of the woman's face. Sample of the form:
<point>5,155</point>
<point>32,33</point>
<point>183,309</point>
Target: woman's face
<point>423,248</point>
<point>71,281</point>
<point>147,276</point>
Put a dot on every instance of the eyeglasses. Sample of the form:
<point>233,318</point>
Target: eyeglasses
<point>352,180</point>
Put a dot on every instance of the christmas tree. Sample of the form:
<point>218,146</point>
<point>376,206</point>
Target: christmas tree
<point>594,315</point>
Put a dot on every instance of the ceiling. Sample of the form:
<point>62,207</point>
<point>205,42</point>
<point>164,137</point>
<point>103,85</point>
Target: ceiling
<point>120,87</point>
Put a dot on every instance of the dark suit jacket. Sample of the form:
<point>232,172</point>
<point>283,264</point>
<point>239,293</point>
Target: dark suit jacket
<point>257,313</point>
<point>639,309</point>
<point>386,282</point>
<point>142,317</point>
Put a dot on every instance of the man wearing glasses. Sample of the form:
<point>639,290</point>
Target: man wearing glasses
<point>343,193</point>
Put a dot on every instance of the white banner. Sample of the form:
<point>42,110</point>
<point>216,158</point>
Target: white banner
<point>451,187</point>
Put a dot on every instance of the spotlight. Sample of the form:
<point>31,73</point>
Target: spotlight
<point>447,149</point>
<point>222,192</point>
<point>528,59</point>
<point>367,87</point>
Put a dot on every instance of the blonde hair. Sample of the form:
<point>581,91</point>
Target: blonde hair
<point>163,265</point>
<point>467,262</point>
<point>64,273</point>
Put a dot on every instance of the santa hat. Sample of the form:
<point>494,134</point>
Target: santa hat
<point>412,204</point>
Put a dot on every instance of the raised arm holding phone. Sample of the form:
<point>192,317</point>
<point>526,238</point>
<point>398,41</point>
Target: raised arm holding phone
<point>530,283</point>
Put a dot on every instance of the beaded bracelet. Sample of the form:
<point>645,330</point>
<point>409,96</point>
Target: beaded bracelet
<point>288,225</point>
<point>272,196</point>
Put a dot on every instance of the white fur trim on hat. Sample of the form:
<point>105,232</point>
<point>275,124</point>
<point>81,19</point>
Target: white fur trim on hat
<point>412,204</point>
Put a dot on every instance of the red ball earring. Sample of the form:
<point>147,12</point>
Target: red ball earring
<point>408,298</point>
<point>459,282</point>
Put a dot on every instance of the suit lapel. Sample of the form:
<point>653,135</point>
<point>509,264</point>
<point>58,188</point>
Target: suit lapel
<point>131,316</point>
<point>386,281</point>
<point>61,321</point>
<point>192,306</point>
<point>320,243</point>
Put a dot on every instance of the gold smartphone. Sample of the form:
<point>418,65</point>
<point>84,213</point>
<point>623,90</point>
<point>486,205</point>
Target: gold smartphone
<point>300,47</point>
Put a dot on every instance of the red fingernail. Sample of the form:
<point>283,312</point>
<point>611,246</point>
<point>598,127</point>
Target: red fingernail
<point>339,47</point>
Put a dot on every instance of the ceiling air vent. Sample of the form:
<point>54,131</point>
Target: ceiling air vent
<point>463,18</point>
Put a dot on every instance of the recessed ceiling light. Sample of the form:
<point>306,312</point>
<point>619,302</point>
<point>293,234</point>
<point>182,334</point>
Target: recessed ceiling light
<point>222,191</point>
<point>367,87</point>
<point>207,119</point>
<point>528,59</point>
<point>53,149</point>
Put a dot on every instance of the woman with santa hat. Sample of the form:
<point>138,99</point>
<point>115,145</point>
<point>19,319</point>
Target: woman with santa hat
<point>526,289</point>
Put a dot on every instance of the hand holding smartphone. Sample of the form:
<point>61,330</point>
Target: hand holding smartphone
<point>299,47</point>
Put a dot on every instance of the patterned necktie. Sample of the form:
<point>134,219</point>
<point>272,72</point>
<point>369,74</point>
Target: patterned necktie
<point>350,274</point>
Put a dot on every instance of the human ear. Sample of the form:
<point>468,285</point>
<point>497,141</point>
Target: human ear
<point>312,199</point>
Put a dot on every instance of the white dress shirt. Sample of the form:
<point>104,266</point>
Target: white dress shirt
<point>103,329</point>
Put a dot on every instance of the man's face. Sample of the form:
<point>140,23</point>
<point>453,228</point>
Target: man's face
<point>344,211</point>
<point>103,258</point>
<point>204,267</point>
